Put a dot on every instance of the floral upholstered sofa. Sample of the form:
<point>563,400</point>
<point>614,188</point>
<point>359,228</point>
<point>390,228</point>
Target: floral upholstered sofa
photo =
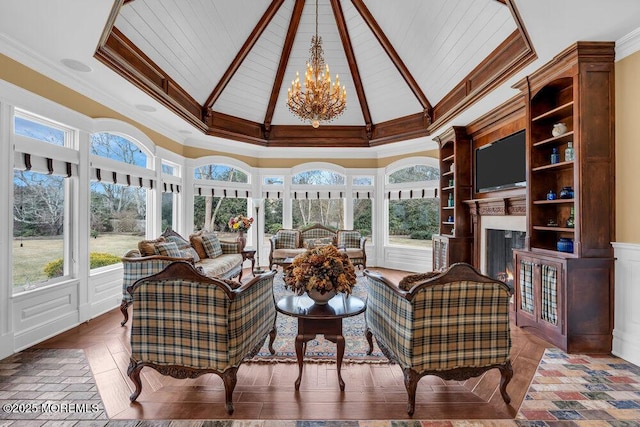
<point>215,258</point>
<point>289,243</point>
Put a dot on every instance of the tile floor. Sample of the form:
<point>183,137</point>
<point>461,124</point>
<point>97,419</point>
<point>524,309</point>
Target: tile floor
<point>43,387</point>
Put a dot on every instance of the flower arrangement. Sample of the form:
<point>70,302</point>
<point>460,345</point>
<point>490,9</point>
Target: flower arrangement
<point>240,223</point>
<point>324,268</point>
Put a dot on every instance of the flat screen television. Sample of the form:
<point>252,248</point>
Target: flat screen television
<point>501,164</point>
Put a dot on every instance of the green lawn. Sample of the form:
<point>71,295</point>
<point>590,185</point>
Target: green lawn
<point>30,258</point>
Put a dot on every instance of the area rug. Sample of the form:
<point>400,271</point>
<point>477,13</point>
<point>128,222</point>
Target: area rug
<point>578,388</point>
<point>320,349</point>
<point>49,384</point>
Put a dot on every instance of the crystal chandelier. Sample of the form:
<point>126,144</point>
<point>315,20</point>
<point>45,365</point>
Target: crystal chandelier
<point>319,101</point>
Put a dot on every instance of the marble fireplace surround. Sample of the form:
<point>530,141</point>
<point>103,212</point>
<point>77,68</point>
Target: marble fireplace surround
<point>499,213</point>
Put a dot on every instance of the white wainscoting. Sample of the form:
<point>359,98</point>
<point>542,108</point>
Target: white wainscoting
<point>43,313</point>
<point>409,259</point>
<point>626,331</point>
<point>106,285</point>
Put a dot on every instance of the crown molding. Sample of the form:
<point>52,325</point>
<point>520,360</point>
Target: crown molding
<point>628,44</point>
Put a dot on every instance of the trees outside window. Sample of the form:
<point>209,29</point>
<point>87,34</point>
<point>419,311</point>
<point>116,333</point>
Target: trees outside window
<point>412,221</point>
<point>38,228</point>
<point>318,206</point>
<point>223,209</point>
<point>362,217</point>
<point>272,216</point>
<point>118,210</point>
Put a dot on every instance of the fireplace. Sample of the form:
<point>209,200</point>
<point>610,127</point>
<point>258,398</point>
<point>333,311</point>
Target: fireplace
<point>499,253</point>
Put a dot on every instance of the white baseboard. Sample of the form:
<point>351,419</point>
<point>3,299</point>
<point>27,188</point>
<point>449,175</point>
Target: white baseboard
<point>6,345</point>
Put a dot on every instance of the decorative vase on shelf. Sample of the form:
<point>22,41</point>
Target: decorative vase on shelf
<point>565,245</point>
<point>559,129</point>
<point>555,156</point>
<point>242,241</point>
<point>320,298</point>
<point>569,153</point>
<point>566,193</point>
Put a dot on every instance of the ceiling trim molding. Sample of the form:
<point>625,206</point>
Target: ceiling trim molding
<point>393,55</point>
<point>122,56</point>
<point>628,44</point>
<point>262,24</point>
<point>353,65</point>
<point>505,61</point>
<point>282,65</point>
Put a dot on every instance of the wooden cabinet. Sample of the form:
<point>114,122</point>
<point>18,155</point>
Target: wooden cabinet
<point>454,243</point>
<point>565,300</point>
<point>569,235</point>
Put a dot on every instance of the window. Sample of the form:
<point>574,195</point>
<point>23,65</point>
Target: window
<point>39,229</point>
<point>362,217</point>
<point>273,180</point>
<point>118,148</point>
<point>32,127</point>
<point>221,173</point>
<point>362,180</point>
<point>318,198</point>
<point>413,210</point>
<point>119,196</point>
<point>272,216</point>
<point>213,214</point>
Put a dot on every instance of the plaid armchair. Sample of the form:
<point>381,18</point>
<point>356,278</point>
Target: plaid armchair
<point>454,325</point>
<point>186,324</point>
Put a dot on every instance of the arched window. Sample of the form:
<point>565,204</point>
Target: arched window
<point>221,173</point>
<point>121,176</point>
<point>413,211</point>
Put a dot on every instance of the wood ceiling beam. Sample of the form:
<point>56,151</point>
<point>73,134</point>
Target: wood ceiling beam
<point>353,64</point>
<point>393,55</point>
<point>282,66</point>
<point>262,24</point>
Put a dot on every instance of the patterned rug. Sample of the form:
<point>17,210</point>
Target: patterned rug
<point>320,349</point>
<point>578,388</point>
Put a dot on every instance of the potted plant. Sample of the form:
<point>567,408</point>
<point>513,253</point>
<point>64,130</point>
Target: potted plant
<point>322,272</point>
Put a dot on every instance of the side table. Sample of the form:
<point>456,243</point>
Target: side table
<point>314,319</point>
<point>249,254</point>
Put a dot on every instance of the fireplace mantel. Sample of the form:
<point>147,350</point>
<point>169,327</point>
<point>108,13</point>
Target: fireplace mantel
<point>495,206</point>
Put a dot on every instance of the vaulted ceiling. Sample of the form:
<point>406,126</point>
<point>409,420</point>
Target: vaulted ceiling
<point>411,67</point>
<point>225,66</point>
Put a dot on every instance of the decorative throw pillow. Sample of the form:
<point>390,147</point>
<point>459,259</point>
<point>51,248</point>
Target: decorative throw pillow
<point>315,243</point>
<point>407,282</point>
<point>178,240</point>
<point>148,247</point>
<point>232,283</point>
<point>211,245</point>
<point>197,244</point>
<point>168,249</point>
<point>190,253</point>
<point>287,239</point>
<point>348,239</point>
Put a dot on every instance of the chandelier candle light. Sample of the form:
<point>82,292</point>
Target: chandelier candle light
<point>319,102</point>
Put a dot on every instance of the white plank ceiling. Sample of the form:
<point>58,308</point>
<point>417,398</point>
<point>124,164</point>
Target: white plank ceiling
<point>439,41</point>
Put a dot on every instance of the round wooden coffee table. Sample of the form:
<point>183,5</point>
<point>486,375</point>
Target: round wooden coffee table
<point>316,319</point>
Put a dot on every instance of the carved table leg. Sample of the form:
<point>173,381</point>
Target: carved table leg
<point>272,338</point>
<point>339,355</point>
<point>300,356</point>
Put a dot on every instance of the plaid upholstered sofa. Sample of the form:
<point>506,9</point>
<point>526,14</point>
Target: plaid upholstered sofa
<point>187,324</point>
<point>288,243</point>
<point>453,324</point>
<point>216,258</point>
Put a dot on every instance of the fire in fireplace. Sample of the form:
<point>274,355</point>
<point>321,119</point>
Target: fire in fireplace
<point>499,255</point>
